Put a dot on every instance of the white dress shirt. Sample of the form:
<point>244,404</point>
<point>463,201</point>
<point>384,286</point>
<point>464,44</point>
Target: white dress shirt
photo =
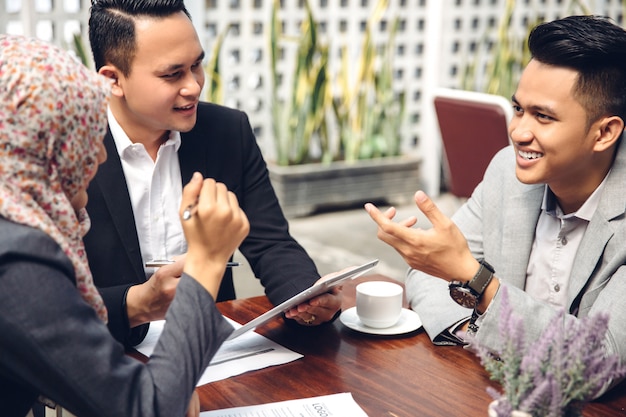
<point>155,189</point>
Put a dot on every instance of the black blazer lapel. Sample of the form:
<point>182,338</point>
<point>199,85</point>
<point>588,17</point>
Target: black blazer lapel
<point>191,156</point>
<point>110,186</point>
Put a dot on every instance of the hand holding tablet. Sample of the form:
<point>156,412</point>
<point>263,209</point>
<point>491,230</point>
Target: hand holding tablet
<point>315,290</point>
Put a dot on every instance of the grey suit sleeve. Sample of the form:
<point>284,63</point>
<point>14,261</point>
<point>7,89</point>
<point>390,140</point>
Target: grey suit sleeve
<point>428,295</point>
<point>53,343</point>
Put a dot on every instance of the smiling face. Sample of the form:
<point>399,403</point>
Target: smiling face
<point>162,90</point>
<point>553,139</point>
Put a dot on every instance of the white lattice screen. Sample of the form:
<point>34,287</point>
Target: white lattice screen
<point>436,39</point>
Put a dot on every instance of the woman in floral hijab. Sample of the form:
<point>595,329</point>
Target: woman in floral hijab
<point>52,122</point>
<point>53,340</point>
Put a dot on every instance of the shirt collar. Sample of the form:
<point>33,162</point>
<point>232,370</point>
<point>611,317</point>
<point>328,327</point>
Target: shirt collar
<point>123,142</point>
<point>585,212</point>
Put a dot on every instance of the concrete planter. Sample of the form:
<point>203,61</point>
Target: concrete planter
<point>303,189</point>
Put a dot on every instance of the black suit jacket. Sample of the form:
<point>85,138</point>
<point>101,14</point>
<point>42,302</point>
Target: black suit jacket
<point>220,146</point>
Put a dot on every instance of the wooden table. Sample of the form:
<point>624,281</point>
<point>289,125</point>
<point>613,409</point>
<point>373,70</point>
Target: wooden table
<point>392,376</point>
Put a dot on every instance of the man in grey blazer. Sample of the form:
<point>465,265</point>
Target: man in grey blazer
<point>550,214</point>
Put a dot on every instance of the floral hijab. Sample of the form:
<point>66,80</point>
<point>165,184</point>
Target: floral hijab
<point>52,116</point>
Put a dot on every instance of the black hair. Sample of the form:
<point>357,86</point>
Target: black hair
<point>595,48</point>
<point>112,28</point>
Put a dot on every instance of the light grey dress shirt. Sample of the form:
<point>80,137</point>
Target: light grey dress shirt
<point>557,238</point>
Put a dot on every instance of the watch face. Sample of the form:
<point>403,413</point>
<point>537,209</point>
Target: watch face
<point>463,296</point>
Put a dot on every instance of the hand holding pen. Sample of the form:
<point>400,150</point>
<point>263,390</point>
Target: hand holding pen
<point>214,226</point>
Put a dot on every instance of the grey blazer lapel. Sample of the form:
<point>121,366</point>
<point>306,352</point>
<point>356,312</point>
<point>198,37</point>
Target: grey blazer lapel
<point>602,226</point>
<point>518,232</point>
<point>589,253</point>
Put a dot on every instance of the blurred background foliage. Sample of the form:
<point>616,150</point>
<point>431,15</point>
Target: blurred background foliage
<point>302,117</point>
<point>368,111</point>
<point>509,54</point>
<point>348,115</point>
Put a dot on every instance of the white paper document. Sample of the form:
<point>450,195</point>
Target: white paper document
<point>248,352</point>
<point>338,405</point>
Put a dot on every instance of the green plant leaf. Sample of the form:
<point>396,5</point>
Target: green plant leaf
<point>215,91</point>
<point>365,112</point>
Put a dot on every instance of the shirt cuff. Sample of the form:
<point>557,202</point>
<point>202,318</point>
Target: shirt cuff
<point>449,335</point>
<point>135,335</point>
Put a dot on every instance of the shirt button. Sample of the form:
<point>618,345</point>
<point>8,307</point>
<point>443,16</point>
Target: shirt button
<point>557,288</point>
<point>564,240</point>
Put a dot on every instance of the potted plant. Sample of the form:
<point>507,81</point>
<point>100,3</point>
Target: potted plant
<point>553,376</point>
<point>301,118</point>
<point>337,139</point>
<point>367,110</point>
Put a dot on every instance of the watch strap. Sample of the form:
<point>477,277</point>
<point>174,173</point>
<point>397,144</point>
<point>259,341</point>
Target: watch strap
<point>482,278</point>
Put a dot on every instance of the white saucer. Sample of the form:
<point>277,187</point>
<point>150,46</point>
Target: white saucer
<point>408,322</point>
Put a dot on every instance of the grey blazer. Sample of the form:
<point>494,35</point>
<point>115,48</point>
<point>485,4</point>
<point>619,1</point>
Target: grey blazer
<point>499,223</point>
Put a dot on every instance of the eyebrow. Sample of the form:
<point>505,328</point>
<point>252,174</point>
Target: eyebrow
<point>178,66</point>
<point>536,108</point>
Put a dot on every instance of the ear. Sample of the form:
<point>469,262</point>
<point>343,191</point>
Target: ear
<point>609,131</point>
<point>113,74</point>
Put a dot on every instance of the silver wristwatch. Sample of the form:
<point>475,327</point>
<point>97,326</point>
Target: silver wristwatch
<point>467,294</point>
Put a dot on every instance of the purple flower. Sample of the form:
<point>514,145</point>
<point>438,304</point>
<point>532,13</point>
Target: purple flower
<point>556,374</point>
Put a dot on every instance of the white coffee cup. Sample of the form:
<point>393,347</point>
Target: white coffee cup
<point>379,303</point>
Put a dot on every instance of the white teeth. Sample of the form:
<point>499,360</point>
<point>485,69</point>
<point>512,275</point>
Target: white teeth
<point>530,155</point>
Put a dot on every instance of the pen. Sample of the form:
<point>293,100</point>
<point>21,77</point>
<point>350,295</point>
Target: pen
<point>189,210</point>
<point>241,356</point>
<point>162,262</point>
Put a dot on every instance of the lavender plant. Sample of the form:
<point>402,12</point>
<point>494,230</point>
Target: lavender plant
<point>553,376</point>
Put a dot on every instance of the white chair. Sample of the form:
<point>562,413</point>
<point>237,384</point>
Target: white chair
<point>473,126</point>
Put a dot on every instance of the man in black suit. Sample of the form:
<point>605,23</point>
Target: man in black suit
<point>159,135</point>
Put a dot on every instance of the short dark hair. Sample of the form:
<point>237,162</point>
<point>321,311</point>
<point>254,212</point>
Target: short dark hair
<point>112,28</point>
<point>595,48</point>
